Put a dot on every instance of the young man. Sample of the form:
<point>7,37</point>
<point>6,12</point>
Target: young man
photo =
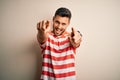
<point>58,47</point>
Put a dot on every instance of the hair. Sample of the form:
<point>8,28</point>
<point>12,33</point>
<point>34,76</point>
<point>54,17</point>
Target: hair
<point>63,12</point>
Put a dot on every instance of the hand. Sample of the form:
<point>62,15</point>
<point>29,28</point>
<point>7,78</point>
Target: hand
<point>75,38</point>
<point>43,26</point>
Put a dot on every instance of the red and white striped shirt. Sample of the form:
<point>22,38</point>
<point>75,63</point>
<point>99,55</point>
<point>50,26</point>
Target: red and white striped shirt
<point>58,58</point>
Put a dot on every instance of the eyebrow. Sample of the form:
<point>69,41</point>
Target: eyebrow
<point>64,23</point>
<point>59,22</point>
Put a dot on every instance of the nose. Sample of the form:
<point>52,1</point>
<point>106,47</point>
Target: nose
<point>59,26</point>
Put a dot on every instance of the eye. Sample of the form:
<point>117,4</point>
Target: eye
<point>63,24</point>
<point>57,22</point>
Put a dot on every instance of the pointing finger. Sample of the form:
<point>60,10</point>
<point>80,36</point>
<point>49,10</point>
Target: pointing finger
<point>47,24</point>
<point>43,25</point>
<point>73,32</point>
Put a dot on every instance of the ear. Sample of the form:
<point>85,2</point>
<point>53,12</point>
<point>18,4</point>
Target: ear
<point>69,22</point>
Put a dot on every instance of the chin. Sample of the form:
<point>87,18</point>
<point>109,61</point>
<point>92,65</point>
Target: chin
<point>58,34</point>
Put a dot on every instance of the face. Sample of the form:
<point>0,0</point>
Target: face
<point>60,24</point>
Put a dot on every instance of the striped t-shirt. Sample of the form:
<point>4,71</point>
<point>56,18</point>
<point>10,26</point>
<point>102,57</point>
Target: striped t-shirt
<point>58,58</point>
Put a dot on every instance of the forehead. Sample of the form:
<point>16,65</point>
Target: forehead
<point>62,19</point>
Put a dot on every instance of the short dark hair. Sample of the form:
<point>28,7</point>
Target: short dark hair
<point>63,12</point>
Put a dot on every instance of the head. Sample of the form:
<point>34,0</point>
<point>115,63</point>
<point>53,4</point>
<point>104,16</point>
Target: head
<point>61,20</point>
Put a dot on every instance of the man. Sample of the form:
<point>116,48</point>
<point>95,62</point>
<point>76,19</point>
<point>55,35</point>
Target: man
<point>58,47</point>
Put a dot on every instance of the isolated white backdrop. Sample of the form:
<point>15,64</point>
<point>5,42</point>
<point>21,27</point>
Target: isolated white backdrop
<point>98,57</point>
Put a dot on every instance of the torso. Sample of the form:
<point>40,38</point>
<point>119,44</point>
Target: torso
<point>58,58</point>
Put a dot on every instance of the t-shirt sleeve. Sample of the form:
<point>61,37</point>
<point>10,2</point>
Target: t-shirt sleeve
<point>42,45</point>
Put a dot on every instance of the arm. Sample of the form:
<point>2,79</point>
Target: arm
<point>43,29</point>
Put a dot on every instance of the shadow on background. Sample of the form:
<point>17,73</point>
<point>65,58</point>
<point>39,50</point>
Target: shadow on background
<point>36,49</point>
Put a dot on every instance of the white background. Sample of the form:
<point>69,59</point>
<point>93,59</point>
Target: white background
<point>98,57</point>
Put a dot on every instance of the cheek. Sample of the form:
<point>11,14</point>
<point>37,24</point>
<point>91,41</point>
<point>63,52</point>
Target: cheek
<point>55,25</point>
<point>64,27</point>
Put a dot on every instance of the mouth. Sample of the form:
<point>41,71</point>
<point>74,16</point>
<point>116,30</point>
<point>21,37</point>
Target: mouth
<point>58,31</point>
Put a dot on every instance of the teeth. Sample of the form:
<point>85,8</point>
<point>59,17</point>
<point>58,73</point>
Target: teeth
<point>58,30</point>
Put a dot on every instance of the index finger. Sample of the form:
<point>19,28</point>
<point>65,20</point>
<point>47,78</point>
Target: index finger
<point>47,24</point>
<point>43,24</point>
<point>73,30</point>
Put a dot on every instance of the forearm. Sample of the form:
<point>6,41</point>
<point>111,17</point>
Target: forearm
<point>41,37</point>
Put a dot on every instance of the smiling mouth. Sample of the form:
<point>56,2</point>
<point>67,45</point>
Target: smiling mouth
<point>58,31</point>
